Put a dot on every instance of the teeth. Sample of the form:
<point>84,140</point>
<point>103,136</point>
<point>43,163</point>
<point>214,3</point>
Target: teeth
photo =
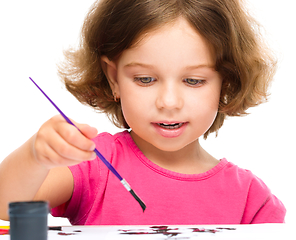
<point>170,126</point>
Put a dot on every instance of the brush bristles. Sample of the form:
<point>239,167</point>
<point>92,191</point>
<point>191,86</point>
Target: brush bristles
<point>142,204</point>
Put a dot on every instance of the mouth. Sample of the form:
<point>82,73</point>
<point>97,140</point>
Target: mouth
<point>170,125</point>
<point>170,129</point>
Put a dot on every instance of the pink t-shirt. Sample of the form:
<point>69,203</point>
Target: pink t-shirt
<point>226,194</point>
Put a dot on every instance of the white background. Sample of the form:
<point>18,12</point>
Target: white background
<point>34,34</point>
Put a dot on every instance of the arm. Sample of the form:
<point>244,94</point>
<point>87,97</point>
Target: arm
<point>57,188</point>
<point>38,169</point>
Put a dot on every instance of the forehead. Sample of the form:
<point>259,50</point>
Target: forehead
<point>176,41</point>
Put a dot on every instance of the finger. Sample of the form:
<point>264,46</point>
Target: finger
<point>52,159</point>
<point>74,137</point>
<point>49,157</point>
<point>52,149</point>
<point>87,131</point>
<point>65,149</point>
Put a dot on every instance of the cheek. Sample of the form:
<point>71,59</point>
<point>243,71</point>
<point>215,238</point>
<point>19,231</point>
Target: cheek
<point>129,111</point>
<point>203,117</point>
<point>206,108</point>
<point>132,104</point>
<point>212,96</point>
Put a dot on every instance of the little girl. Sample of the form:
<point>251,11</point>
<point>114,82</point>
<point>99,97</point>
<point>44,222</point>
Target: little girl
<point>170,71</point>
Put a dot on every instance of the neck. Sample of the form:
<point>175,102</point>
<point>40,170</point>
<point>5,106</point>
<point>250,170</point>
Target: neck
<point>191,159</point>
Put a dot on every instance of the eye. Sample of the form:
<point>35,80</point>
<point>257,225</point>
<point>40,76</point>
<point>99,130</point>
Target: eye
<point>194,82</point>
<point>144,80</point>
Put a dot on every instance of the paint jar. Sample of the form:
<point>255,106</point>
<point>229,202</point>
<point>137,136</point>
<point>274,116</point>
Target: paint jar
<point>28,220</point>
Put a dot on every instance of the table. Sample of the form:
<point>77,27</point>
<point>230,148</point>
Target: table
<point>237,232</point>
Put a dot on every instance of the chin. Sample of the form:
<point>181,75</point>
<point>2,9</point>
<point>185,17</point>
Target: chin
<point>174,145</point>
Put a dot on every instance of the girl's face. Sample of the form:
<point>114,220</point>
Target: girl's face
<point>168,87</point>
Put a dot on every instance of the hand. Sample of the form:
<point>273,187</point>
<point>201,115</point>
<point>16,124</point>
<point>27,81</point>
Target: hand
<point>58,143</point>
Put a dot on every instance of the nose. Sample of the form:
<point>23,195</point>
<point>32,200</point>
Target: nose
<point>169,97</point>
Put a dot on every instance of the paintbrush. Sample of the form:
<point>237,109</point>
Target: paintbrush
<point>108,165</point>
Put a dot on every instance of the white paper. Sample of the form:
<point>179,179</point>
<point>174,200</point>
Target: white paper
<point>238,232</point>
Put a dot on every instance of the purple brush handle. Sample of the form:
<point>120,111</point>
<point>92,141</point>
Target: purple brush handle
<point>108,165</point>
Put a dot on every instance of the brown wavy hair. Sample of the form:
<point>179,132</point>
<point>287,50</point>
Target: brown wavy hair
<point>242,59</point>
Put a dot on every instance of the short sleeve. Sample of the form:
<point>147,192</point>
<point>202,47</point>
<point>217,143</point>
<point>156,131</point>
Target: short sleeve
<point>273,211</point>
<point>262,206</point>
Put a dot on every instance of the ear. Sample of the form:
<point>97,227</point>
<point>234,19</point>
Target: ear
<point>110,70</point>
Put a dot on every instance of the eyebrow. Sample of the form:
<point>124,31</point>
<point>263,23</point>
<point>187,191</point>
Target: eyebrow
<point>137,64</point>
<point>201,66</point>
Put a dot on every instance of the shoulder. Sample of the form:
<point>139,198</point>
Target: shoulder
<point>106,138</point>
<point>107,143</point>
<point>246,179</point>
<point>245,183</point>
<point>261,206</point>
<point>238,175</point>
<point>245,176</point>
